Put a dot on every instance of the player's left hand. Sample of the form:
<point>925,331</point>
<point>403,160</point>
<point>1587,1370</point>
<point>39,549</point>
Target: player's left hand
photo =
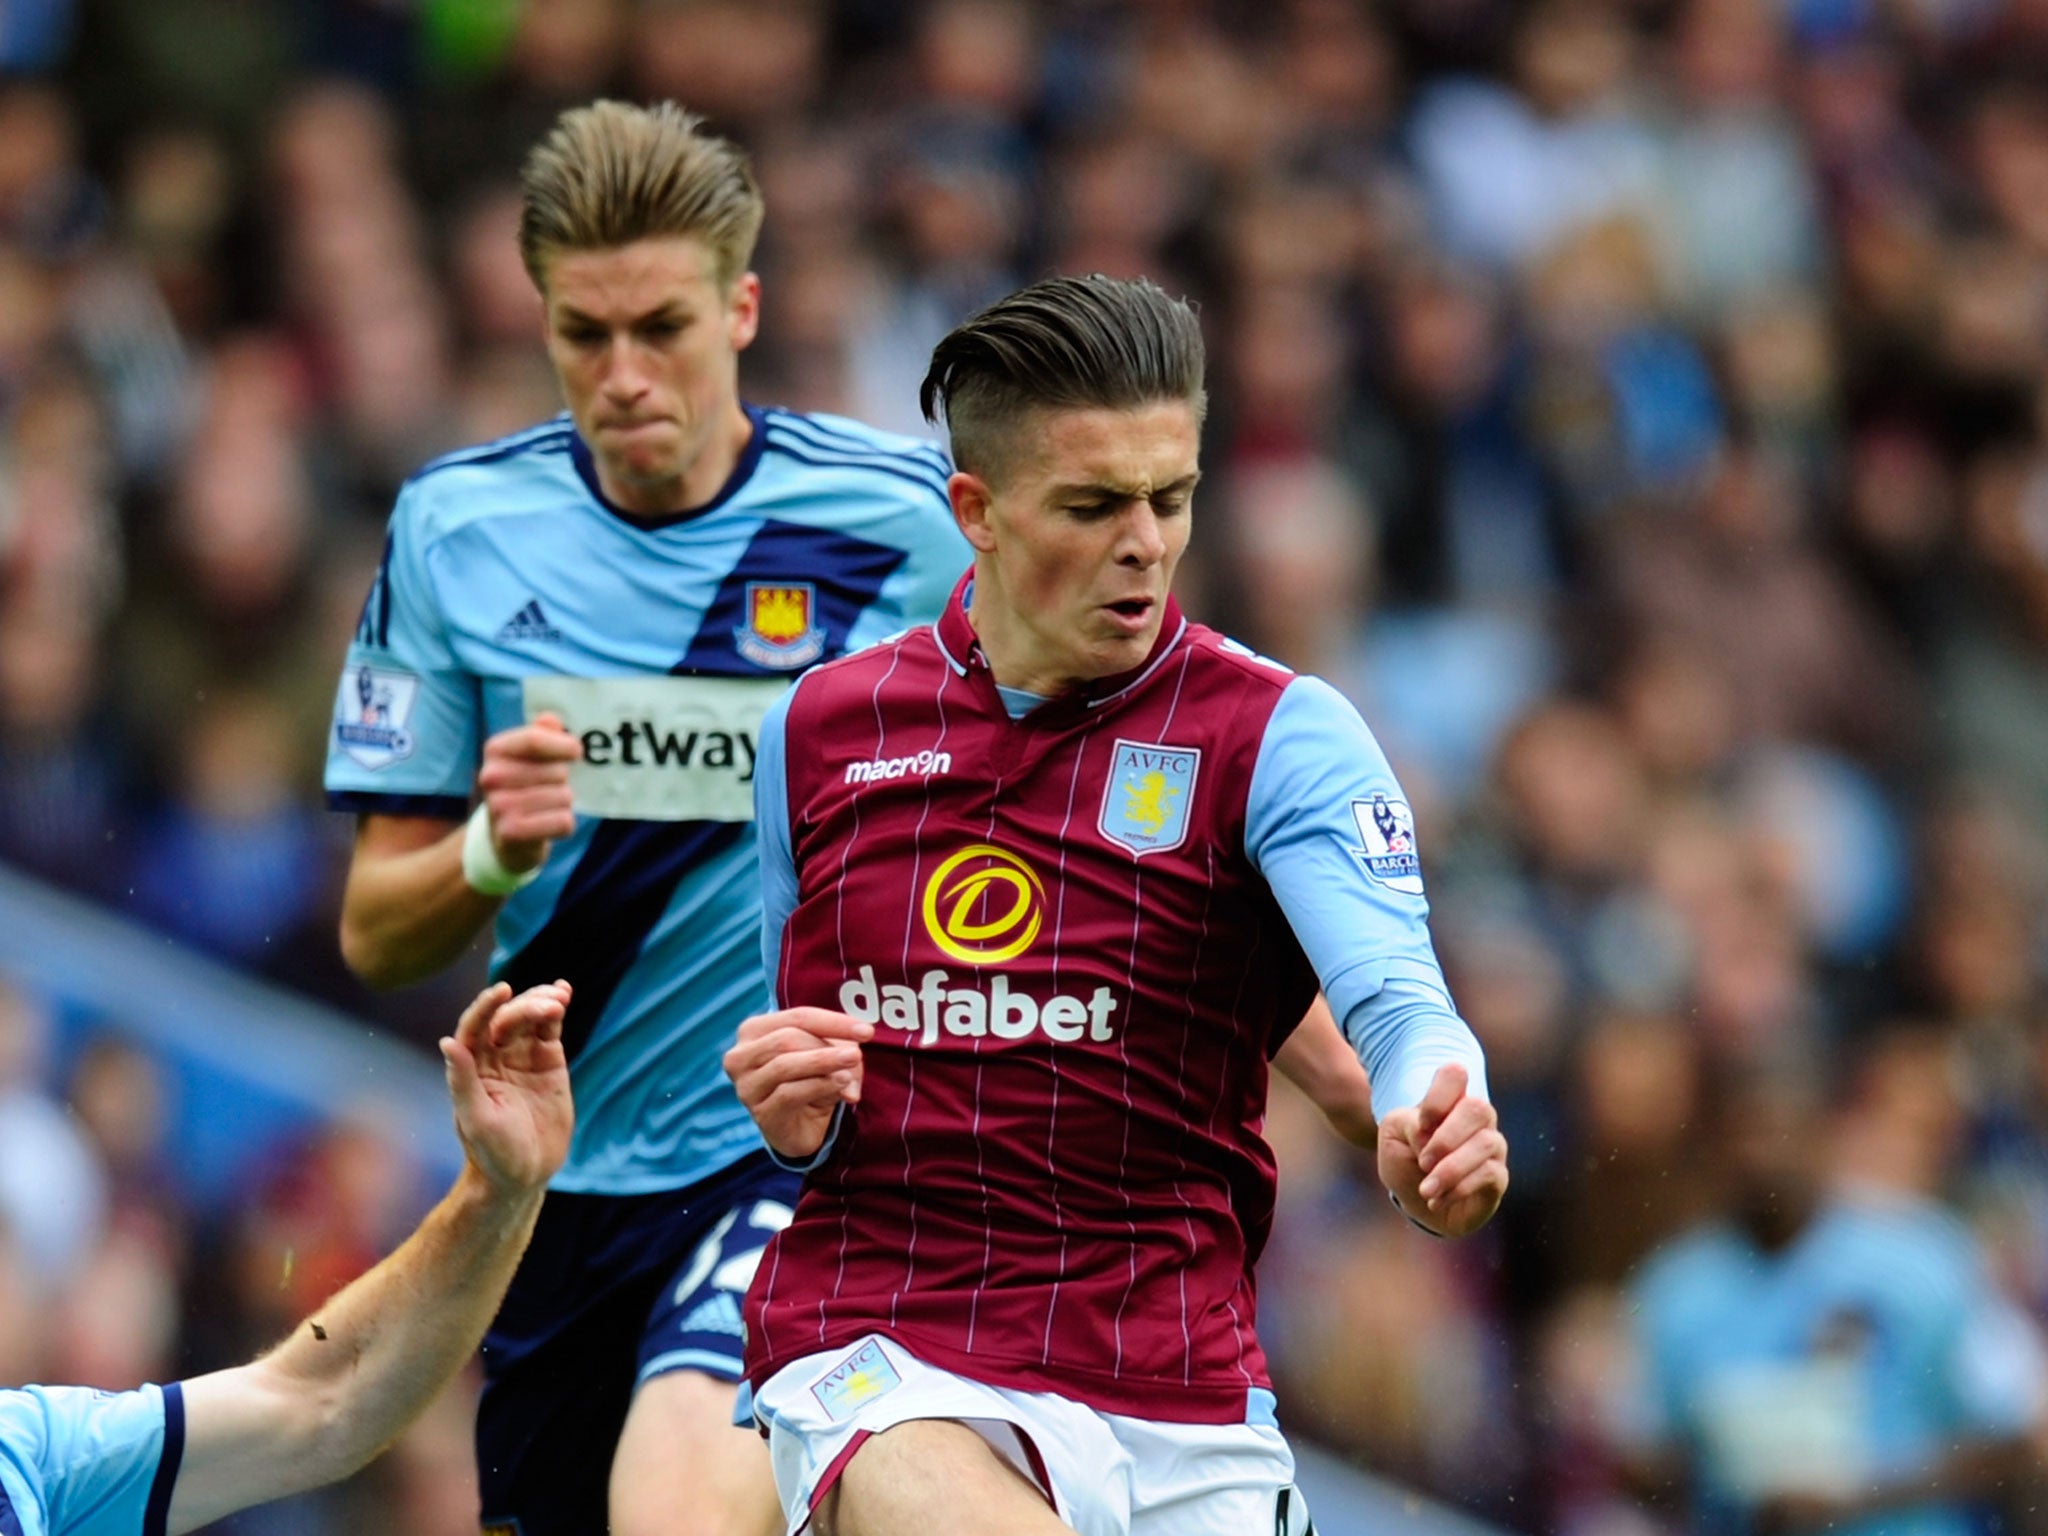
<point>1445,1159</point>
<point>509,1079</point>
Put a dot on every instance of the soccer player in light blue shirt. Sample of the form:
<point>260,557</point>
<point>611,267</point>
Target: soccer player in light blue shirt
<point>581,626</point>
<point>75,1462</point>
<point>1828,1360</point>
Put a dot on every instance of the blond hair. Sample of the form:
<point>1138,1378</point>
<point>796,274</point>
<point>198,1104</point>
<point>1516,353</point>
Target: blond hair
<point>612,173</point>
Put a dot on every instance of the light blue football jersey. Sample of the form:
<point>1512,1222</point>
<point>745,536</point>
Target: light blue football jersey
<point>75,1462</point>
<point>509,586</point>
<point>1862,1353</point>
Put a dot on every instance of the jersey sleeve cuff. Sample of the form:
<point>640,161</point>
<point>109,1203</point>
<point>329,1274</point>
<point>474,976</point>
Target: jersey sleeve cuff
<point>817,1158</point>
<point>1395,1200</point>
<point>367,802</point>
<point>156,1516</point>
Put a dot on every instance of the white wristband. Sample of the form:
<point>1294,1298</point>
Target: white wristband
<point>480,864</point>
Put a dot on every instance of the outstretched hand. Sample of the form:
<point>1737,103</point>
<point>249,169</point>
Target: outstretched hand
<point>1445,1159</point>
<point>509,1079</point>
<point>793,1069</point>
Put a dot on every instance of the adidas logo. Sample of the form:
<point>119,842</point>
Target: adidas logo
<point>529,623</point>
<point>721,1314</point>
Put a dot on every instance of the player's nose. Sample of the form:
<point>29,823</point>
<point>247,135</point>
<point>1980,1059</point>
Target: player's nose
<point>1143,541</point>
<point>624,377</point>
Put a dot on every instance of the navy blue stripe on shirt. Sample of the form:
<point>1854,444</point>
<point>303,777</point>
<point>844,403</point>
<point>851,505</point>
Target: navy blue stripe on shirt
<point>547,437</point>
<point>629,871</point>
<point>742,471</point>
<point>796,443</point>
<point>10,1521</point>
<point>823,458</point>
<point>368,802</point>
<point>611,902</point>
<point>847,574</point>
<point>373,626</point>
<point>840,439</point>
<point>158,1514</point>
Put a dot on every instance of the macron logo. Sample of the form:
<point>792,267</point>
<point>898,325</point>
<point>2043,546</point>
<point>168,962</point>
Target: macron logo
<point>529,623</point>
<point>882,769</point>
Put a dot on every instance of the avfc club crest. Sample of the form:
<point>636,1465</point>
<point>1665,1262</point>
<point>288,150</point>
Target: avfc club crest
<point>1150,792</point>
<point>1386,831</point>
<point>781,631</point>
<point>371,715</point>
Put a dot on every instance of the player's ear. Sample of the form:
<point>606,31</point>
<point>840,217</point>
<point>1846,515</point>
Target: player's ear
<point>970,495</point>
<point>743,311</point>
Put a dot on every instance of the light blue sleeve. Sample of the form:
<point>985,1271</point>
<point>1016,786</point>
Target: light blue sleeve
<point>407,728</point>
<point>771,829</point>
<point>778,877</point>
<point>1327,825</point>
<point>87,1463</point>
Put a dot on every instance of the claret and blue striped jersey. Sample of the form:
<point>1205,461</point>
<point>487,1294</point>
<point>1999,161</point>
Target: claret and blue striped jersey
<point>508,587</point>
<point>75,1462</point>
<point>1081,930</point>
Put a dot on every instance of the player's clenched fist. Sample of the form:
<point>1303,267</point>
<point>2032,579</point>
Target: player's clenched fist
<point>1445,1159</point>
<point>525,783</point>
<point>793,1069</point>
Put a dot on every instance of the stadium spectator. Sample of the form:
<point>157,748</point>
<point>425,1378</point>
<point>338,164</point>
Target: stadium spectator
<point>1823,1354</point>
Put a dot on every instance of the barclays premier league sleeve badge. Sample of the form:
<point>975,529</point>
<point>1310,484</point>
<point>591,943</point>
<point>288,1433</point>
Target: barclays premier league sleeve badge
<point>1386,831</point>
<point>371,713</point>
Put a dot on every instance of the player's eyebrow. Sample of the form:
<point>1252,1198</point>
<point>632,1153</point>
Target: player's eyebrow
<point>669,309</point>
<point>1110,490</point>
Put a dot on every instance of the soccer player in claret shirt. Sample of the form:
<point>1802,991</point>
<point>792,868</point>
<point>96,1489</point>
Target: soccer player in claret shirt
<point>582,625</point>
<point>1047,883</point>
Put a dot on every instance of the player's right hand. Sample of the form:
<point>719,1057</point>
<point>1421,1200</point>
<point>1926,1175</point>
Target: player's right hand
<point>525,782</point>
<point>1445,1160</point>
<point>793,1069</point>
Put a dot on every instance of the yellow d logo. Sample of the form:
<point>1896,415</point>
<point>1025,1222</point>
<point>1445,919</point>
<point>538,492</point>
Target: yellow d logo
<point>987,913</point>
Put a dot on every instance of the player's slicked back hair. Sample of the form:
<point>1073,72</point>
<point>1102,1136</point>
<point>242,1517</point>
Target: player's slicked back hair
<point>1062,344</point>
<point>612,173</point>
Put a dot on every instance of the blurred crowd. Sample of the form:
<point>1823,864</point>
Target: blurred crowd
<point>1636,406</point>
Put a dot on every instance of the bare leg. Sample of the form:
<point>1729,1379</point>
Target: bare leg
<point>935,1477</point>
<point>683,1469</point>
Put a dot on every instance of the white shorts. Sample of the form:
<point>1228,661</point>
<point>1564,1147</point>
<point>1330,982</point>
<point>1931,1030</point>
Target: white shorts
<point>1105,1474</point>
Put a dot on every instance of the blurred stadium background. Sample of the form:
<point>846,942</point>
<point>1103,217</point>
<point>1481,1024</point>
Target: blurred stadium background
<point>1635,405</point>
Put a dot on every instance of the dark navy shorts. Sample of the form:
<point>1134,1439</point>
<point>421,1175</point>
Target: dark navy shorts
<point>614,1289</point>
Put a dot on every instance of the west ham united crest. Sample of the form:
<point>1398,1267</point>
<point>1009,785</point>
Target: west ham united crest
<point>1151,789</point>
<point>781,631</point>
<point>1386,832</point>
<point>371,715</point>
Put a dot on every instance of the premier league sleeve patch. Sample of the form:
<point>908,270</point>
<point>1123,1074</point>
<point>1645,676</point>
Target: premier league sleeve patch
<point>372,712</point>
<point>1386,831</point>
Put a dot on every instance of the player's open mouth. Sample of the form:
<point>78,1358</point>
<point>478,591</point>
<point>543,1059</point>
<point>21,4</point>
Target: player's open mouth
<point>1132,612</point>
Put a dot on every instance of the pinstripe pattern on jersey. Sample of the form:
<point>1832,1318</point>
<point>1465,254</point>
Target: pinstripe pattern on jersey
<point>1078,1216</point>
